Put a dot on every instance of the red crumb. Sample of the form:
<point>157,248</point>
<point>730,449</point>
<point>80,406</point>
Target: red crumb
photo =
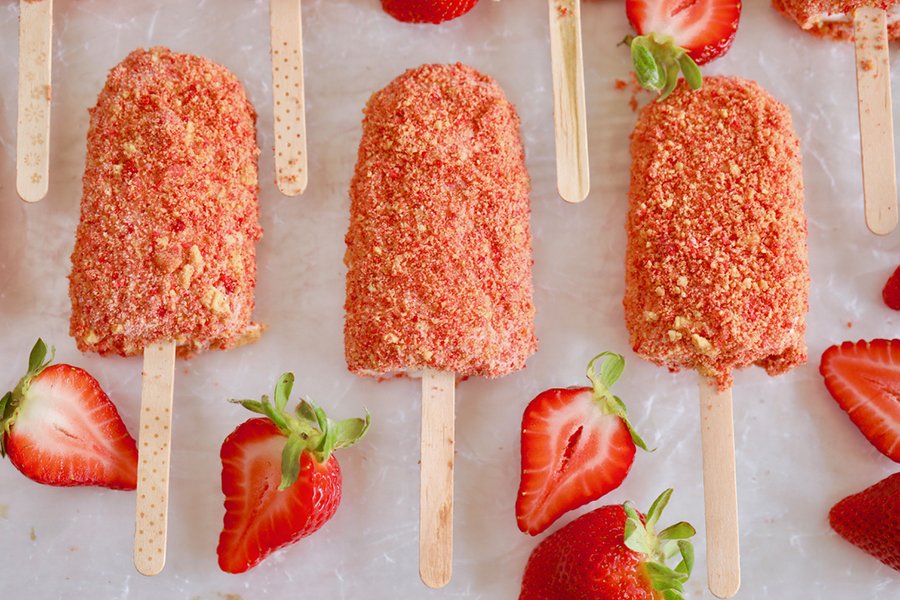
<point>808,15</point>
<point>169,210</point>
<point>620,84</point>
<point>716,265</point>
<point>439,244</point>
<point>849,324</point>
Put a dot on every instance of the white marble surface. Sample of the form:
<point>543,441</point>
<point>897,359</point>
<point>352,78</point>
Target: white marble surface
<point>797,453</point>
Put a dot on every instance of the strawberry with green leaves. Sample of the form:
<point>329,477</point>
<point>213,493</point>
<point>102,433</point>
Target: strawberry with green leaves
<point>864,378</point>
<point>675,36</point>
<point>58,427</point>
<point>612,552</point>
<point>577,445</point>
<point>280,478</point>
<point>870,520</point>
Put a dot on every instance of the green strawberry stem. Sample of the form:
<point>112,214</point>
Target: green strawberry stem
<point>641,537</point>
<point>658,62</point>
<point>307,429</point>
<point>611,367</point>
<point>11,401</point>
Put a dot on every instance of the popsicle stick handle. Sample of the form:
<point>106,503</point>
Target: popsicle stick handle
<point>290,103</point>
<point>573,177</point>
<point>154,447</point>
<point>723,557</point>
<point>33,122</point>
<point>876,122</point>
<point>436,500</point>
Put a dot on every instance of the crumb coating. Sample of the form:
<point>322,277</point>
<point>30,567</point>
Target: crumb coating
<point>439,243</point>
<point>808,15</point>
<point>165,249</point>
<point>716,266</point>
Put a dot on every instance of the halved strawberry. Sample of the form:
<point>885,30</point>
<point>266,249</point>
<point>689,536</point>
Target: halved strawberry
<point>280,479</point>
<point>58,427</point>
<point>577,445</point>
<point>427,11</point>
<point>678,35</point>
<point>891,291</point>
<point>864,378</point>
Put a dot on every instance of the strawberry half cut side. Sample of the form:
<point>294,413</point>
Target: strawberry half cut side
<point>280,479</point>
<point>576,446</point>
<point>864,378</point>
<point>675,36</point>
<point>58,427</point>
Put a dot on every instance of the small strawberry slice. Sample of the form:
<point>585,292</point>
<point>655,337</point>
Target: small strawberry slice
<point>678,35</point>
<point>279,476</point>
<point>427,11</point>
<point>891,292</point>
<point>577,445</point>
<point>864,378</point>
<point>58,427</point>
<point>870,520</point>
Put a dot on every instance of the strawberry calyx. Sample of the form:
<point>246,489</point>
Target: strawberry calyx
<point>657,548</point>
<point>611,367</point>
<point>307,429</point>
<point>658,61</point>
<point>11,403</point>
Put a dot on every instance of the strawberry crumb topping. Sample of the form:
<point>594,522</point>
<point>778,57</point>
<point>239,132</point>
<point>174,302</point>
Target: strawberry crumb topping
<point>809,14</point>
<point>169,214</point>
<point>716,265</point>
<point>439,244</point>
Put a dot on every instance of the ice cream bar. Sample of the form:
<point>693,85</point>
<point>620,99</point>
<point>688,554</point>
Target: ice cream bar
<point>834,18</point>
<point>165,249</point>
<point>716,265</point>
<point>439,244</point>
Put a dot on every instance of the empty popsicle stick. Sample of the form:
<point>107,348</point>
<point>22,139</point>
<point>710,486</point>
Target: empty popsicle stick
<point>33,123</point>
<point>290,103</point>
<point>154,448</point>
<point>876,122</point>
<point>436,500</point>
<point>573,177</point>
<point>723,556</point>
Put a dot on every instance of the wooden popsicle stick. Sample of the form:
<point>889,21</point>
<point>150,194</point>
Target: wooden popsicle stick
<point>723,556</point>
<point>876,122</point>
<point>436,499</point>
<point>33,122</point>
<point>573,174</point>
<point>290,103</point>
<point>154,448</point>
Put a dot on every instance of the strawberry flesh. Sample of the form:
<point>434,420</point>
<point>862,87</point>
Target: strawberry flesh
<point>67,432</point>
<point>705,28</point>
<point>260,518</point>
<point>572,453</point>
<point>870,520</point>
<point>427,11</point>
<point>864,379</point>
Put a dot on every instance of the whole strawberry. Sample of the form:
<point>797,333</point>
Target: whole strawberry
<point>427,11</point>
<point>279,476</point>
<point>58,427</point>
<point>577,445</point>
<point>891,291</point>
<point>611,553</point>
<point>870,520</point>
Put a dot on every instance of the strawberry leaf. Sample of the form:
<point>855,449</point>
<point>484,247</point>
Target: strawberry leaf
<point>306,411</point>
<point>283,390</point>
<point>691,72</point>
<point>647,71</point>
<point>657,508</point>
<point>658,61</point>
<point>350,431</point>
<point>678,531</point>
<point>37,356</point>
<point>611,369</point>
<point>290,460</point>
<point>687,558</point>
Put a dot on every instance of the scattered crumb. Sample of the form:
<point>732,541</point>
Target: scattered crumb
<point>4,511</point>
<point>32,535</point>
<point>73,548</point>
<point>231,596</point>
<point>621,84</point>
<point>849,324</point>
<point>867,64</point>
